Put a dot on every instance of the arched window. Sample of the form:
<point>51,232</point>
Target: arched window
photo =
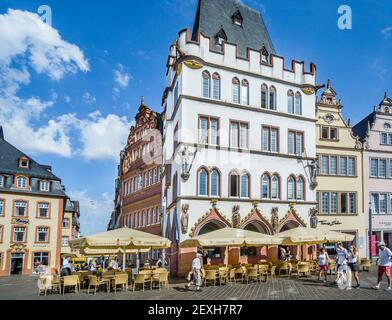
<point>290,102</point>
<point>300,190</point>
<point>206,84</point>
<point>245,92</point>
<point>272,98</point>
<point>265,187</point>
<point>236,90</point>
<point>203,182</point>
<point>291,188</point>
<point>275,187</point>
<point>234,185</point>
<point>264,96</point>
<point>21,182</point>
<point>216,86</point>
<point>298,104</point>
<point>245,186</point>
<point>215,183</point>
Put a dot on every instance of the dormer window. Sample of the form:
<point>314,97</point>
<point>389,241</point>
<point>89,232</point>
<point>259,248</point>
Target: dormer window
<point>264,55</point>
<point>237,18</point>
<point>44,186</point>
<point>220,37</point>
<point>24,163</point>
<point>1,182</point>
<point>21,182</point>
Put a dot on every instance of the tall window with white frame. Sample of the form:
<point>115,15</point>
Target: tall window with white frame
<point>43,234</point>
<point>216,86</point>
<point>265,186</point>
<point>290,102</point>
<point>239,135</point>
<point>206,77</point>
<point>19,234</point>
<point>296,143</point>
<point>20,209</point>
<point>236,88</point>
<point>215,183</point>
<point>298,104</point>
<point>2,209</point>
<point>43,210</point>
<point>21,182</point>
<point>270,139</point>
<point>208,130</point>
<point>1,181</point>
<point>272,98</point>
<point>245,92</point>
<point>203,182</point>
<point>264,96</point>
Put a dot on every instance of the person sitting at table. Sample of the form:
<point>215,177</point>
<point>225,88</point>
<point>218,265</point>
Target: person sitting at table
<point>289,256</point>
<point>161,263</point>
<point>113,265</point>
<point>66,269</point>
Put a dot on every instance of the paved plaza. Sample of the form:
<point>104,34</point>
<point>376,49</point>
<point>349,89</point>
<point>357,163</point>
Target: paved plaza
<point>282,288</point>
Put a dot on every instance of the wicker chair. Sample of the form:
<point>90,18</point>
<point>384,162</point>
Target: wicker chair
<point>240,274</point>
<point>263,272</point>
<point>285,267</point>
<point>120,279</point>
<point>94,282</point>
<point>252,274</point>
<point>141,279</point>
<point>56,283</point>
<point>332,267</point>
<point>211,276</point>
<point>223,275</point>
<point>303,268</point>
<point>161,279</point>
<point>366,265</point>
<point>231,276</point>
<point>73,282</point>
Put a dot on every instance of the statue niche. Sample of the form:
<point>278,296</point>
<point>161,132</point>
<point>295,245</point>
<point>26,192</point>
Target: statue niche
<point>185,218</point>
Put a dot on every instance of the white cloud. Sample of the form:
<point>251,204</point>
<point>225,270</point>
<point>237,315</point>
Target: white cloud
<point>103,138</point>
<point>29,44</point>
<point>94,212</point>
<point>88,98</point>
<point>67,99</point>
<point>121,77</point>
<point>386,32</point>
<point>24,34</point>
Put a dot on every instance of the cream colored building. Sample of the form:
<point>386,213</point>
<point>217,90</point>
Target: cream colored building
<point>71,226</point>
<point>32,202</point>
<point>340,181</point>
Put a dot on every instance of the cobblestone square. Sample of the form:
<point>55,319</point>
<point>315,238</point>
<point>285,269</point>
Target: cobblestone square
<point>282,288</point>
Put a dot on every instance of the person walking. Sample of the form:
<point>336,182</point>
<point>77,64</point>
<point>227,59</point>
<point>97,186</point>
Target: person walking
<point>353,257</point>
<point>384,265</point>
<point>323,264</point>
<point>196,271</point>
<point>342,279</point>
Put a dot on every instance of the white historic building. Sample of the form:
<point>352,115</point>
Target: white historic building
<point>239,132</point>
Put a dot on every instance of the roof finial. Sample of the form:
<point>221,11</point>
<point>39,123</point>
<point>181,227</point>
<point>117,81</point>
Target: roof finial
<point>1,133</point>
<point>385,95</point>
<point>142,102</point>
<point>329,84</point>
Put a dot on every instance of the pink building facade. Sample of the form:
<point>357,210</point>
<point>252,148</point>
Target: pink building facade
<point>375,131</point>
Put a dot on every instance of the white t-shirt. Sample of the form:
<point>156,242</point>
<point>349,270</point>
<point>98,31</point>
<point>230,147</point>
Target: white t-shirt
<point>66,264</point>
<point>323,259</point>
<point>196,264</point>
<point>342,256</point>
<point>385,258</point>
<point>352,258</point>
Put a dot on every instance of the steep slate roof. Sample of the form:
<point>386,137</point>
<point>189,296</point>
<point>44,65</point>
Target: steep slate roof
<point>361,129</point>
<point>9,166</point>
<point>214,15</point>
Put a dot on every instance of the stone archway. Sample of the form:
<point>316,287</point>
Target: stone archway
<point>289,225</point>
<point>256,226</point>
<point>210,226</point>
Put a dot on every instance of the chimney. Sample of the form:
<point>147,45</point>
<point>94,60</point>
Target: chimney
<point>1,133</point>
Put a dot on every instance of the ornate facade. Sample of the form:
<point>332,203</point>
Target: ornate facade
<point>240,134</point>
<point>139,187</point>
<point>340,180</point>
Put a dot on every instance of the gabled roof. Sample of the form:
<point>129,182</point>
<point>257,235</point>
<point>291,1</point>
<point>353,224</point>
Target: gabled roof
<point>361,129</point>
<point>214,15</point>
<point>9,163</point>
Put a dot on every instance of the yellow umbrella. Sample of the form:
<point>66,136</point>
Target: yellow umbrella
<point>302,236</point>
<point>120,240</point>
<point>231,237</point>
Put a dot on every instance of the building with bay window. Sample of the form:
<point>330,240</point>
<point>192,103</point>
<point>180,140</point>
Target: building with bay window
<point>340,182</point>
<point>239,143</point>
<point>375,132</point>
<point>32,203</point>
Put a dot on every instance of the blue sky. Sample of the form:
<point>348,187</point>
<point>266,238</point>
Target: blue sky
<point>78,111</point>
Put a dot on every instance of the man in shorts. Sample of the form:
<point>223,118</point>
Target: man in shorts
<point>384,265</point>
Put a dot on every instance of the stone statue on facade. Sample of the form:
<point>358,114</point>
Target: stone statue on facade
<point>236,217</point>
<point>275,219</point>
<point>313,171</point>
<point>313,214</point>
<point>185,218</point>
